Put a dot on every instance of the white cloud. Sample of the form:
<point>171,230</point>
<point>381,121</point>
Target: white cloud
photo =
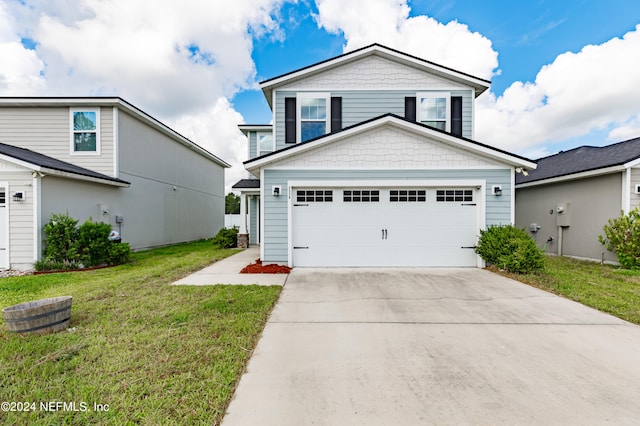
<point>387,22</point>
<point>21,67</point>
<point>593,89</point>
<point>216,130</point>
<point>627,130</point>
<point>178,61</point>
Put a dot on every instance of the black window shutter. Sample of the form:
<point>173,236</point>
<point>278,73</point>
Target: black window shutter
<point>290,120</point>
<point>456,115</point>
<point>336,113</point>
<point>410,108</point>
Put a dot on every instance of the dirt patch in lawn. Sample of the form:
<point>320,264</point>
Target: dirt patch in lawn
<point>259,268</point>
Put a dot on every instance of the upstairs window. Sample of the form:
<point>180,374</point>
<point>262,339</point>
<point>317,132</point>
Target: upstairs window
<point>433,110</point>
<point>85,131</point>
<point>314,114</point>
<point>265,143</point>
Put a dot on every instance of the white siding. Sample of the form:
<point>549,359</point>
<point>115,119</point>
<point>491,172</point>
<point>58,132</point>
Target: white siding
<point>21,222</point>
<point>635,180</point>
<point>372,72</point>
<point>386,147</point>
<point>47,130</point>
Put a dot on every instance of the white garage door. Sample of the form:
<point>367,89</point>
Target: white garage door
<point>369,227</point>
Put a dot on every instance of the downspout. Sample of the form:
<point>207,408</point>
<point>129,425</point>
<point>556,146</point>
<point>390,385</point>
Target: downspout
<point>559,240</point>
<point>36,186</point>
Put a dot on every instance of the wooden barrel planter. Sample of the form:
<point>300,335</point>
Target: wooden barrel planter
<point>40,316</point>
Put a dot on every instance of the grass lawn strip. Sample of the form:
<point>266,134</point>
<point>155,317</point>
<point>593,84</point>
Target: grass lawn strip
<point>607,288</point>
<point>154,353</point>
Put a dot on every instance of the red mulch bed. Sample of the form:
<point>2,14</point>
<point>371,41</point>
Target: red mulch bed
<point>259,268</point>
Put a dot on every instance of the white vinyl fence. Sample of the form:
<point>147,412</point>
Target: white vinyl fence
<point>233,220</point>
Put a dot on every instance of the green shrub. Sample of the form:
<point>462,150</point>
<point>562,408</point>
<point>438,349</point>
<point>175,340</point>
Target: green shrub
<point>94,243</point>
<point>511,249</point>
<point>226,238</point>
<point>68,246</point>
<point>622,236</point>
<point>119,253</point>
<point>54,265</point>
<point>61,239</point>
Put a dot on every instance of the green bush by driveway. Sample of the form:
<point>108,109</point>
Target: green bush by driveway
<point>151,352</point>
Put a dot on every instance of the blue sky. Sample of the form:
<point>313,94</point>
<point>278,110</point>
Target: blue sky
<point>526,34</point>
<point>564,72</point>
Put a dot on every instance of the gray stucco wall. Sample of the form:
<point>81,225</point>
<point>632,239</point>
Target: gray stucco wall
<point>593,201</point>
<point>180,190</point>
<point>498,210</point>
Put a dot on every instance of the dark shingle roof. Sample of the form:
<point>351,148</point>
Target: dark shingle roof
<point>42,160</point>
<point>583,159</point>
<point>247,184</point>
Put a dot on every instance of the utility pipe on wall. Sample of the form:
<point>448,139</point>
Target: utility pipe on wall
<point>559,240</point>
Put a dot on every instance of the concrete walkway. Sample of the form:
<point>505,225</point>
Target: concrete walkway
<point>435,347</point>
<point>227,271</point>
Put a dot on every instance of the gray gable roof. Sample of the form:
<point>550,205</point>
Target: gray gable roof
<point>45,161</point>
<point>583,159</point>
<point>247,184</point>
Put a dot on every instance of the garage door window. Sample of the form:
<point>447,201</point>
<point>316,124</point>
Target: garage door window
<point>360,196</point>
<point>314,196</point>
<point>454,195</point>
<point>408,195</point>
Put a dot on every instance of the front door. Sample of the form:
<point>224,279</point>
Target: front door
<point>4,227</point>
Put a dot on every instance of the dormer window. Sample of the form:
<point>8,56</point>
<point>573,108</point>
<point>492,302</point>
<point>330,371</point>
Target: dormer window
<point>314,112</point>
<point>433,109</point>
<point>265,143</point>
<point>85,131</point>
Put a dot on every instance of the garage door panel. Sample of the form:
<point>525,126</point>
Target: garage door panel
<point>385,232</point>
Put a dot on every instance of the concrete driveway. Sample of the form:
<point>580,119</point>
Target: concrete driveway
<point>436,346</point>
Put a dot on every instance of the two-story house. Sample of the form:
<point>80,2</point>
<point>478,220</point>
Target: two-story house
<point>104,159</point>
<point>370,161</point>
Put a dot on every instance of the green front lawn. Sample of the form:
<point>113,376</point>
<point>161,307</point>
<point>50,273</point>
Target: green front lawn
<point>151,352</point>
<point>604,287</point>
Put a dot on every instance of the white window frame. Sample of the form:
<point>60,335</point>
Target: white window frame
<point>72,131</point>
<point>312,95</point>
<point>434,95</point>
<point>258,150</point>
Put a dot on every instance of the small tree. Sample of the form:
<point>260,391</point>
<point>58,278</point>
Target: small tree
<point>622,236</point>
<point>232,204</point>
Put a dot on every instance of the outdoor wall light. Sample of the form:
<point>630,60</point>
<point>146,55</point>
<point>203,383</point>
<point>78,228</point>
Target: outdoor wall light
<point>19,196</point>
<point>496,190</point>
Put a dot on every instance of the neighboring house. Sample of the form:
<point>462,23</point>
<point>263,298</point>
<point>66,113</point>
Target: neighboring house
<point>104,159</point>
<point>371,161</point>
<point>568,199</point>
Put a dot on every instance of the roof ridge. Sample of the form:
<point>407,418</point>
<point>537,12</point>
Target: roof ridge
<point>355,51</point>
